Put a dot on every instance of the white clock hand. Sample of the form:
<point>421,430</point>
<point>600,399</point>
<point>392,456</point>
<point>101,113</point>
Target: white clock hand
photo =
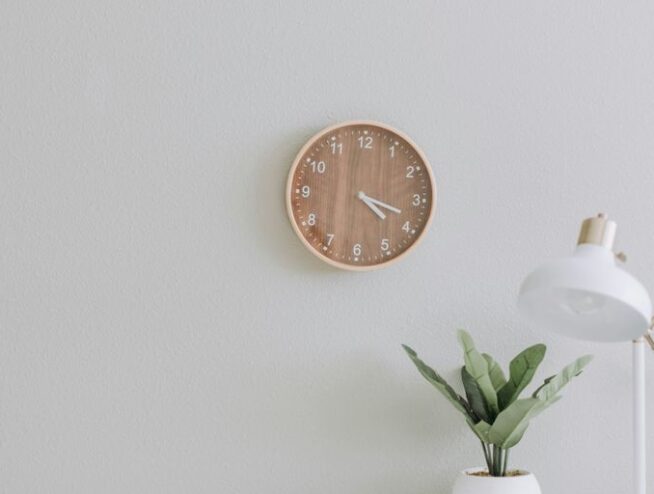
<point>367,202</point>
<point>384,205</point>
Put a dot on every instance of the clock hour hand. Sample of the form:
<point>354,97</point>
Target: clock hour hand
<point>384,205</point>
<point>366,200</point>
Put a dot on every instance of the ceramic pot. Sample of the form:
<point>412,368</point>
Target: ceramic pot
<point>474,484</point>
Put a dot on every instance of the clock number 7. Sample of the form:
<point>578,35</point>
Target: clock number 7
<point>330,238</point>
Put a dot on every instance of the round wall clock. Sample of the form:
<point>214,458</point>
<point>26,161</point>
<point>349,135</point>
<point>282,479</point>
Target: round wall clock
<point>360,195</point>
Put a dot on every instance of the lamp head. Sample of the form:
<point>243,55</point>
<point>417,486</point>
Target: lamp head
<point>587,296</point>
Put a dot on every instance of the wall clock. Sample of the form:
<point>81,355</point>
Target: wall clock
<point>360,195</point>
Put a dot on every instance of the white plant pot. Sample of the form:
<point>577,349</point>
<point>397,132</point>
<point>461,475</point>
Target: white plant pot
<point>474,484</point>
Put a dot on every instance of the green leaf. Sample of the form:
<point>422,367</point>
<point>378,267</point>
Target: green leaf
<point>480,429</point>
<point>495,372</point>
<point>475,397</point>
<point>478,368</point>
<point>555,383</point>
<point>511,424</point>
<point>548,379</point>
<point>521,369</point>
<point>440,384</point>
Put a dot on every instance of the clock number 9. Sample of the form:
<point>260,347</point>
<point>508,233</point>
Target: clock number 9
<point>311,220</point>
<point>356,250</point>
<point>318,166</point>
<point>306,191</point>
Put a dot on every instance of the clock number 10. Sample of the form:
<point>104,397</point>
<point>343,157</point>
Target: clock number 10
<point>318,166</point>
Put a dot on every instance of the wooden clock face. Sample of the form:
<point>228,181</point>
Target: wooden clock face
<point>360,195</point>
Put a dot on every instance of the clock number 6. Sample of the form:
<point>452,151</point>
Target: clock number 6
<point>356,250</point>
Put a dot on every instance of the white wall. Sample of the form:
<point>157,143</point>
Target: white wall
<point>162,329</point>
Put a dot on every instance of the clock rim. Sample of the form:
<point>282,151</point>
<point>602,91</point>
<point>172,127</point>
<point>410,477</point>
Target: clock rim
<point>289,187</point>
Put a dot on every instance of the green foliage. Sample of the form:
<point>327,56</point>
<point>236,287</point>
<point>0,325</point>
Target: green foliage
<point>521,371</point>
<point>492,407</point>
<point>479,369</point>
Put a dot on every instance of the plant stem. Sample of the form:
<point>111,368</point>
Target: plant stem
<point>506,462</point>
<point>486,455</point>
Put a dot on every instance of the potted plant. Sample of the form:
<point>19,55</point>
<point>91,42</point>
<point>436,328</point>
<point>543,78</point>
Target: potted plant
<point>496,414</point>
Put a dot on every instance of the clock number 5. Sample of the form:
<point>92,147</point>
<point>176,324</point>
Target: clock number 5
<point>385,244</point>
<point>365,142</point>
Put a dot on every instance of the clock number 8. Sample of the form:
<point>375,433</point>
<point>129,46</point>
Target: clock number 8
<point>311,220</point>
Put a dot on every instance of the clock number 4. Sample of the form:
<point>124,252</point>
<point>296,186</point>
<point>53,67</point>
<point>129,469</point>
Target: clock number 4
<point>406,227</point>
<point>365,142</point>
<point>318,166</point>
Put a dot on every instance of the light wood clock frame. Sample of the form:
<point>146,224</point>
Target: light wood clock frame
<point>360,195</point>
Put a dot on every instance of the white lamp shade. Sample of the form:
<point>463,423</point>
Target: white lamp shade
<point>586,296</point>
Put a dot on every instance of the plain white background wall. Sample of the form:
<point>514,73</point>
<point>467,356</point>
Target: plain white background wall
<point>162,329</point>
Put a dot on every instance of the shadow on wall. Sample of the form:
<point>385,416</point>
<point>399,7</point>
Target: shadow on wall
<point>367,422</point>
<point>273,226</point>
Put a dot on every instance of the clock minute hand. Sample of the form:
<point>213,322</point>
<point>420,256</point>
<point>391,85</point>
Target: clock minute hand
<point>366,200</point>
<point>384,205</point>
